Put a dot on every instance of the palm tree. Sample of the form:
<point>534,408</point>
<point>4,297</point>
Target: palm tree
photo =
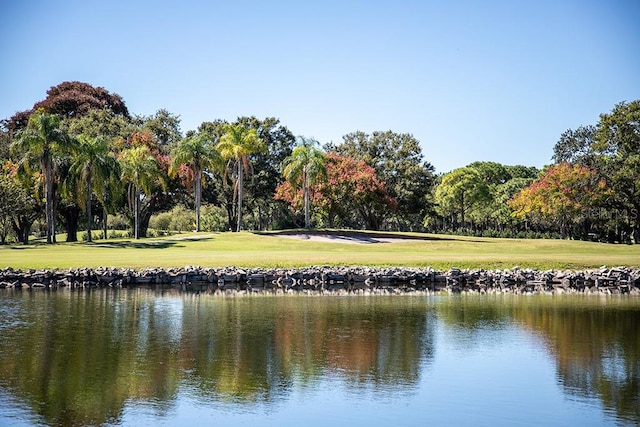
<point>43,139</point>
<point>199,153</point>
<point>92,160</point>
<point>235,146</point>
<point>140,169</point>
<point>303,168</point>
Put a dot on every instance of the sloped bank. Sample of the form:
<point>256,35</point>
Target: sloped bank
<point>332,280</point>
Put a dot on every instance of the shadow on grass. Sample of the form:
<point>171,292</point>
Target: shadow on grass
<point>350,236</point>
<point>151,244</point>
<point>137,244</point>
<point>156,244</point>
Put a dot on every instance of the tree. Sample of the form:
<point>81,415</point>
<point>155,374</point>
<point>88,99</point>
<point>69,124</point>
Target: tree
<point>460,191</point>
<point>100,123</point>
<point>563,194</point>
<point>92,166</point>
<point>612,148</point>
<point>18,207</point>
<point>44,139</point>
<point>72,99</point>
<point>617,140</point>
<point>140,169</point>
<point>199,153</point>
<point>165,127</point>
<point>265,211</point>
<point>235,146</point>
<point>398,162</point>
<point>351,195</point>
<point>491,213</point>
<point>303,168</point>
<point>577,147</point>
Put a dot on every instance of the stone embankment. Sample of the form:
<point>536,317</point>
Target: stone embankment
<point>333,280</point>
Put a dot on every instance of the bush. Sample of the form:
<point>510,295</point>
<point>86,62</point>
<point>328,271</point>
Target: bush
<point>95,235</point>
<point>177,219</point>
<point>117,222</point>
<point>118,234</point>
<point>213,218</point>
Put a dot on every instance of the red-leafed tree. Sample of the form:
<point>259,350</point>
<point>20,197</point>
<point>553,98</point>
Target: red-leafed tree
<point>348,197</point>
<point>564,195</point>
<point>72,99</point>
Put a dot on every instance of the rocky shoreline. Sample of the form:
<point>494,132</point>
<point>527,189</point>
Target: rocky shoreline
<point>332,280</point>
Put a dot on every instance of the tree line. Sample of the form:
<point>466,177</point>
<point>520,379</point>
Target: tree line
<point>78,160</point>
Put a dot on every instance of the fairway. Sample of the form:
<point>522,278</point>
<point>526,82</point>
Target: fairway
<point>272,249</point>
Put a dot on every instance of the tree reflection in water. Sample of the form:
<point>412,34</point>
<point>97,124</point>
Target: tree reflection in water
<point>594,340</point>
<point>77,358</point>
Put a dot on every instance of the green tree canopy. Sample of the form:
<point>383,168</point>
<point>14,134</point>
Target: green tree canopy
<point>460,192</point>
<point>303,168</point>
<point>139,168</point>
<point>44,140</point>
<point>235,146</point>
<point>199,153</point>
<point>398,161</point>
<point>92,167</point>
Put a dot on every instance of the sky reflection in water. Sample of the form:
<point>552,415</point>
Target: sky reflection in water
<point>144,358</point>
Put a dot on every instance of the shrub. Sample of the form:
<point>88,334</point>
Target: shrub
<point>117,222</point>
<point>177,219</point>
<point>213,218</point>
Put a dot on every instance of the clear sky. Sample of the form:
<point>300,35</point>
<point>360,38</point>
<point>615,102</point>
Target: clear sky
<point>471,80</point>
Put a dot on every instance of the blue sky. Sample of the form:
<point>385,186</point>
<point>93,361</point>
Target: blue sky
<point>471,80</point>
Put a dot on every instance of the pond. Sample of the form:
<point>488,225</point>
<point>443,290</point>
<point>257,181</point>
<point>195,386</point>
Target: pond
<point>142,357</point>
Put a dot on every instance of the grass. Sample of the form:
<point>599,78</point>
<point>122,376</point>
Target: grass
<point>271,250</point>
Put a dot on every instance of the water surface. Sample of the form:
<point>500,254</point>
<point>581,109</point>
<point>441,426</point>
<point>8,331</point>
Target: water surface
<point>139,357</point>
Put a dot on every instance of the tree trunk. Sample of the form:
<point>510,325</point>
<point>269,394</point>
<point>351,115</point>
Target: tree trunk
<point>229,209</point>
<point>89,216</point>
<point>198,196</point>
<point>462,209</point>
<point>48,185</point>
<point>136,213</point>
<point>307,215</point>
<point>240,194</point>
<point>21,227</point>
<point>71,215</point>
<point>105,215</point>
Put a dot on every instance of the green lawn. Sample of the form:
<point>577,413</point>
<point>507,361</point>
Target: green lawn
<point>270,250</point>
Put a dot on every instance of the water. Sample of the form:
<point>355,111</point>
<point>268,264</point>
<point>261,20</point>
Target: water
<point>138,357</point>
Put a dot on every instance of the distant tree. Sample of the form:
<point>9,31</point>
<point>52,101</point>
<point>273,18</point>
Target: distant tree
<point>92,166</point>
<point>350,196</point>
<point>303,168</point>
<point>491,173</point>
<point>140,169</point>
<point>461,191</point>
<point>100,123</point>
<point>577,147</point>
<point>398,161</point>
<point>617,141</point>
<point>18,207</point>
<point>612,149</point>
<point>164,127</point>
<point>259,190</point>
<point>43,139</point>
<point>5,141</point>
<point>199,153</point>
<point>563,194</point>
<point>520,171</point>
<point>491,213</point>
<point>235,146</point>
<point>72,99</point>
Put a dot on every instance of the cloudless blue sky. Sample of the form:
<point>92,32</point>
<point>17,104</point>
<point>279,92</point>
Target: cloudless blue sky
<point>471,80</point>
